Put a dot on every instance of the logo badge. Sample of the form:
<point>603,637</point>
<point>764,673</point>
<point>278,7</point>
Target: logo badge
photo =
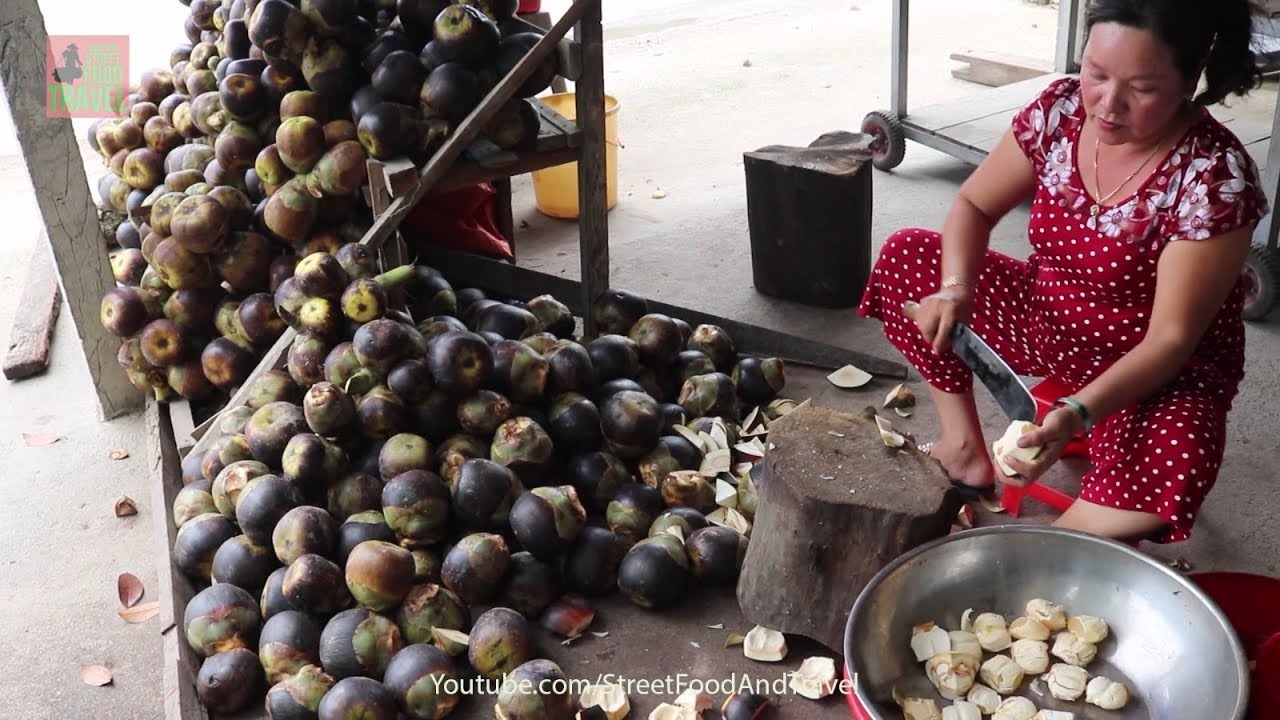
<point>87,76</point>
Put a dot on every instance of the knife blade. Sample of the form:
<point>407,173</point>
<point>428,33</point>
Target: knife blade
<point>1005,386</point>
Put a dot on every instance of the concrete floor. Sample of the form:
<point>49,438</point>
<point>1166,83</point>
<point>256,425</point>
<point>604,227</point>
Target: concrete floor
<point>691,104</point>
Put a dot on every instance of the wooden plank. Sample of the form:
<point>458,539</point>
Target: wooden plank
<point>443,160</point>
<point>568,52</point>
<point>178,673</point>
<point>183,422</point>
<point>37,316</point>
<point>470,174</point>
<point>399,175</point>
<point>553,121</point>
<point>503,213</point>
<point>593,214</point>
<point>61,190</point>
<point>503,279</point>
<point>997,69</point>
<point>983,104</point>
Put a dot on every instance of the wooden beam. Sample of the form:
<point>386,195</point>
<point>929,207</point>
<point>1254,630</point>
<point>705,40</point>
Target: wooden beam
<point>36,318</point>
<point>444,158</point>
<point>61,188</point>
<point>593,213</point>
<point>568,53</point>
<point>504,279</point>
<point>996,69</point>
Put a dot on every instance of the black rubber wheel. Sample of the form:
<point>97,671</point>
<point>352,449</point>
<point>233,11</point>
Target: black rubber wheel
<point>888,141</point>
<point>1262,282</point>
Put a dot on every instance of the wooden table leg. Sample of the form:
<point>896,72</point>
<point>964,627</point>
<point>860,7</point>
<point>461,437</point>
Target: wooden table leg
<point>593,220</point>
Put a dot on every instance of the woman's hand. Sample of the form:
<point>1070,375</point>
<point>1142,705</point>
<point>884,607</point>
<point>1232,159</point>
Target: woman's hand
<point>1055,431</point>
<point>937,314</point>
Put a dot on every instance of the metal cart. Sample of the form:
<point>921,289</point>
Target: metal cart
<point>969,129</point>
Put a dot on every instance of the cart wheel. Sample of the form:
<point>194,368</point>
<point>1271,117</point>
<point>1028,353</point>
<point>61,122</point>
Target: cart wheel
<point>1262,282</point>
<point>888,141</point>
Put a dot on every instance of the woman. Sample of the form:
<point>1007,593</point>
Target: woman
<point>1142,211</point>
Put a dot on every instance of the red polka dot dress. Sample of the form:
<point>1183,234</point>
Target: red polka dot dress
<point>1083,299</point>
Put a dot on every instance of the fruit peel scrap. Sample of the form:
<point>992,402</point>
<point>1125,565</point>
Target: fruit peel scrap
<point>849,377</point>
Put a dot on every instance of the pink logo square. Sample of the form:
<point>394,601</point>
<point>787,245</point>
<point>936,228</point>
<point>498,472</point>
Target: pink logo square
<point>87,75</point>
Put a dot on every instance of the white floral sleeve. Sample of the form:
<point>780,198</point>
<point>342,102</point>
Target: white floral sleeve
<point>1217,192</point>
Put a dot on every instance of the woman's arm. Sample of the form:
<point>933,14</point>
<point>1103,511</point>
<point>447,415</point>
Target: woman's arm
<point>1193,280</point>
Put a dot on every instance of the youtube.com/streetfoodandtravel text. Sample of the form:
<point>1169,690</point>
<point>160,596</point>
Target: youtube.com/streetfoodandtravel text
<point>670,685</point>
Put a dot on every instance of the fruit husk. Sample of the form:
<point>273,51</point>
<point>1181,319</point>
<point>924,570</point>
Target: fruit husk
<point>198,541</point>
<point>379,574</point>
<point>535,689</point>
<point>304,530</point>
<point>428,606</point>
<point>654,572</point>
<point>359,642</point>
<point>500,641</point>
<point>219,618</point>
<point>229,681</point>
<point>473,569</point>
<point>290,641</point>
<point>417,676</point>
<point>416,505</point>
<point>546,520</point>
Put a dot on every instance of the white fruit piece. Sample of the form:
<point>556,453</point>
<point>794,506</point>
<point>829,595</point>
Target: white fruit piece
<point>1046,714</point>
<point>984,697</point>
<point>1106,693</point>
<point>609,697</point>
<point>815,679</point>
<point>992,632</point>
<point>1071,649</point>
<point>899,397</point>
<point>726,494</point>
<point>667,711</point>
<point>966,620</point>
<point>920,709</point>
<point>849,377</point>
<point>1007,444</point>
<point>1030,655</point>
<point>1001,674</point>
<point>1050,614</point>
<point>961,710</point>
<point>730,518</point>
<point>928,640</point>
<point>1066,682</point>
<point>698,702</point>
<point>887,435</point>
<point>1015,708</point>
<point>965,643</point>
<point>1025,628</point>
<point>764,644</point>
<point>1088,628</point>
<point>952,674</point>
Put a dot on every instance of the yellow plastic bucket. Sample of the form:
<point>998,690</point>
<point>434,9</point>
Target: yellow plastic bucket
<point>555,189</point>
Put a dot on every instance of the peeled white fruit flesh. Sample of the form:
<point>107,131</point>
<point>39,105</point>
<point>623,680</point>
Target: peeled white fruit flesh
<point>887,434</point>
<point>816,678</point>
<point>1050,614</point>
<point>1015,708</point>
<point>984,697</point>
<point>1071,649</point>
<point>764,644</point>
<point>1088,628</point>
<point>952,674</point>
<point>1002,674</point>
<point>726,494</point>
<point>1106,693</point>
<point>1066,682</point>
<point>920,709</point>
<point>1025,628</point>
<point>1054,715</point>
<point>928,640</point>
<point>1030,655</point>
<point>694,700</point>
<point>608,697</point>
<point>965,643</point>
<point>961,710</point>
<point>992,632</point>
<point>730,518</point>
<point>667,711</point>
<point>849,377</point>
<point>1007,444</point>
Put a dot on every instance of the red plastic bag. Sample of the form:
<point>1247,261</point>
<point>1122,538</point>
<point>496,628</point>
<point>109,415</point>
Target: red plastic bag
<point>462,220</point>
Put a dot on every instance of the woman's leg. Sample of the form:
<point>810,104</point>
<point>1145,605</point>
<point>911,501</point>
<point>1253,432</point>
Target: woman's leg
<point>908,269</point>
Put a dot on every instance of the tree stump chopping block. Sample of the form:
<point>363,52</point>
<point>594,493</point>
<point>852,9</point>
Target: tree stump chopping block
<point>836,505</point>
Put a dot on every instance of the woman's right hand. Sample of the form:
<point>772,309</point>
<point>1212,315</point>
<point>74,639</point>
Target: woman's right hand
<point>937,314</point>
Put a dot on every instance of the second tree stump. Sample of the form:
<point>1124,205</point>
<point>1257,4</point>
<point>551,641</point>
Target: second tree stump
<point>836,505</point>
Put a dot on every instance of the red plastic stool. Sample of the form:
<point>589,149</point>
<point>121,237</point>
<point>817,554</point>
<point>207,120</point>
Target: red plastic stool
<point>1249,602</point>
<point>1045,393</point>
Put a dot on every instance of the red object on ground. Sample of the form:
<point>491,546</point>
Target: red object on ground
<point>1045,393</point>
<point>855,707</point>
<point>1249,602</point>
<point>461,220</point>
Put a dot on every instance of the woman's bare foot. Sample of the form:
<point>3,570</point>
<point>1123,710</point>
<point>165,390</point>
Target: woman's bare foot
<point>966,463</point>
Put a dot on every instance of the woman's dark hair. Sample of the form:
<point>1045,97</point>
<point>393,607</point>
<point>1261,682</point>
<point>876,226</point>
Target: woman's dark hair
<point>1209,36</point>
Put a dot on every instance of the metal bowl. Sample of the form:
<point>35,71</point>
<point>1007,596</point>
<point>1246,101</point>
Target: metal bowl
<point>1171,645</point>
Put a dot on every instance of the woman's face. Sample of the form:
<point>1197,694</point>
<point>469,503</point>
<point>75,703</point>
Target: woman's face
<point>1130,85</point>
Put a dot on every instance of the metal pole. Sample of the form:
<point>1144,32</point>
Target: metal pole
<point>1070,36</point>
<point>898,91</point>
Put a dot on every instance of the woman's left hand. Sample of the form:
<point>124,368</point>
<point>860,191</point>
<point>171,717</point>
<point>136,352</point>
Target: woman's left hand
<point>1055,431</point>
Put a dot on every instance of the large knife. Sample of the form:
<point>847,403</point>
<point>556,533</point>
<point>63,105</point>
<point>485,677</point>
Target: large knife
<point>1005,385</point>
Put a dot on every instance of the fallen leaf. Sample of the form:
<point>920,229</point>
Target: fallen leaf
<point>95,675</point>
<point>40,439</point>
<point>129,588</point>
<point>119,454</point>
<point>734,639</point>
<point>141,613</point>
<point>125,507</point>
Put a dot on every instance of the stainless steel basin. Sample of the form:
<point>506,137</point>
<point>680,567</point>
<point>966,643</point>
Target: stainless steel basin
<point>1170,644</point>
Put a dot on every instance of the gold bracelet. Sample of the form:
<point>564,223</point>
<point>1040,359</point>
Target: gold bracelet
<point>952,281</point>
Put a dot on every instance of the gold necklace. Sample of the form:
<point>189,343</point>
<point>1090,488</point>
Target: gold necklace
<point>1098,185</point>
